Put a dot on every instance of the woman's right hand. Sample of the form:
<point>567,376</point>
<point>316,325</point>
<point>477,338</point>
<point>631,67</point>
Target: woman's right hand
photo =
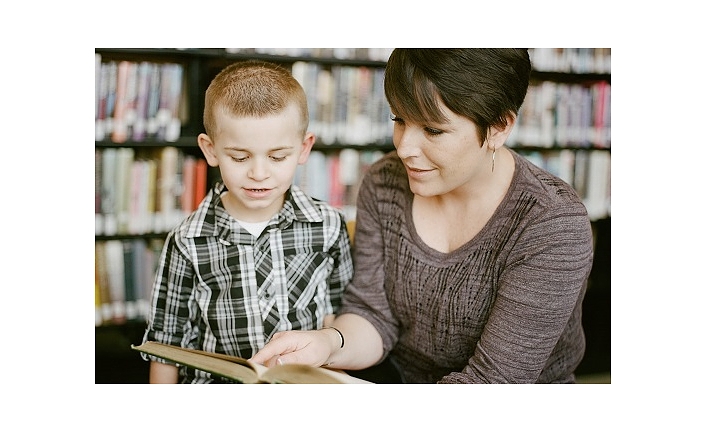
<point>299,347</point>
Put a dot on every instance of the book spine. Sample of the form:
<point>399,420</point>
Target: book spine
<point>119,130</point>
<point>116,279</point>
<point>123,183</point>
<point>130,114</point>
<point>166,188</point>
<point>168,114</point>
<point>129,280</point>
<point>106,303</point>
<point>140,278</point>
<point>188,180</point>
<point>336,190</point>
<point>200,182</point>
<point>109,190</point>
<point>97,191</point>
<point>102,82</point>
<point>153,100</point>
<point>144,73</point>
<point>111,82</point>
<point>98,299</point>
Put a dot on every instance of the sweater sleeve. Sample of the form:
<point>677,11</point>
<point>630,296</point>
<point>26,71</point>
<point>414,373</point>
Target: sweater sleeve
<point>365,295</point>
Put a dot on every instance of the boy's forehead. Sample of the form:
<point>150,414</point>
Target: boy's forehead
<point>256,111</point>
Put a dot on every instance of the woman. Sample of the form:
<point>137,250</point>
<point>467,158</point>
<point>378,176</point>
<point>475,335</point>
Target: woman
<point>470,262</point>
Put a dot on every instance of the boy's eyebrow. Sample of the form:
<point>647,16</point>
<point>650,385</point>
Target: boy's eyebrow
<point>286,147</point>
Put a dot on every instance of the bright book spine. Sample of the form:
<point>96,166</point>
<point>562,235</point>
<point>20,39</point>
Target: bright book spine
<point>120,129</point>
<point>200,182</point>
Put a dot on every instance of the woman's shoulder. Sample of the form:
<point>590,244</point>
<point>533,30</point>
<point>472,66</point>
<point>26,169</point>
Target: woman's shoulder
<point>544,186</point>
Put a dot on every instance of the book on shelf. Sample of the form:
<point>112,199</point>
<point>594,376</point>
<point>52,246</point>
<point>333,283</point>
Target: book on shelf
<point>144,74</point>
<point>166,193</point>
<point>104,302</point>
<point>109,160</point>
<point>200,182</point>
<point>242,370</point>
<point>99,262</point>
<point>97,192</point>
<point>146,191</point>
<point>153,99</point>
<point>124,273</point>
<point>169,113</point>
<point>188,179</point>
<point>346,104</point>
<point>101,97</point>
<point>119,132</point>
<point>123,187</point>
<point>597,198</point>
<point>129,275</point>
<point>115,270</point>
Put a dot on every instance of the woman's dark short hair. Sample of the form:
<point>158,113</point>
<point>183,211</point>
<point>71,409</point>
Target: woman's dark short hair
<point>482,84</point>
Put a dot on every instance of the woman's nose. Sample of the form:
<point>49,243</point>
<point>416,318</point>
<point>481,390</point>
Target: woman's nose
<point>406,141</point>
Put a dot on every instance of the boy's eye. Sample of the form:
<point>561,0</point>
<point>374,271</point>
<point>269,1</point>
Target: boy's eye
<point>239,159</point>
<point>278,158</point>
<point>433,131</point>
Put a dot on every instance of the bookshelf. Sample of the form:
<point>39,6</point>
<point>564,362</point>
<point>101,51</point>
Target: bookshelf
<point>564,127</point>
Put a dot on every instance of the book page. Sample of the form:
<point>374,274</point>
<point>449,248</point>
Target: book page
<point>244,371</point>
<point>219,364</point>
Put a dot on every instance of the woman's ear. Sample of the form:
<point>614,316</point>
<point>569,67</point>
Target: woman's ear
<point>498,135</point>
<point>208,149</point>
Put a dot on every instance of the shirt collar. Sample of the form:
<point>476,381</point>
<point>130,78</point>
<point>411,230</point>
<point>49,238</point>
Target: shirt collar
<point>211,218</point>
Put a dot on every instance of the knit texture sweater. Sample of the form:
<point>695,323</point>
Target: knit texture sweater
<point>503,308</point>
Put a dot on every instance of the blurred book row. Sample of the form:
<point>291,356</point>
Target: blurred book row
<point>564,115</point>
<point>124,273</point>
<point>571,60</point>
<point>138,101</point>
<point>373,54</point>
<point>146,190</point>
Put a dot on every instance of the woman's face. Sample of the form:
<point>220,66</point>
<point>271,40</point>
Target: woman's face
<point>441,158</point>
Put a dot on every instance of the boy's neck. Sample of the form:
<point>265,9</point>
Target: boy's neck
<point>250,215</point>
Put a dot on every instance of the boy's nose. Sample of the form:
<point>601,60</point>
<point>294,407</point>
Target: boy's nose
<point>259,170</point>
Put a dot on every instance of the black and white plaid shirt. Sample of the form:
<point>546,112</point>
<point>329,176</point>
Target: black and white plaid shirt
<point>219,289</point>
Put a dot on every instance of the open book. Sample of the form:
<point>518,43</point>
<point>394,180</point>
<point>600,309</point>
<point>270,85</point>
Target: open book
<point>242,370</point>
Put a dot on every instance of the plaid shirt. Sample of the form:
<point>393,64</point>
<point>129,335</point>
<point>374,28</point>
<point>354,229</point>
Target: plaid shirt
<point>219,289</point>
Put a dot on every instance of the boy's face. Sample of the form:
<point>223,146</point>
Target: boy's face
<point>257,157</point>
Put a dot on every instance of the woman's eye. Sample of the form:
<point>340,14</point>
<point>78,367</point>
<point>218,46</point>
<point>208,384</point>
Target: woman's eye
<point>433,131</point>
<point>396,119</point>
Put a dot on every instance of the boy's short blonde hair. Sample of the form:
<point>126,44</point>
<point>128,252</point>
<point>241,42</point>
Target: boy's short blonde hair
<point>253,89</point>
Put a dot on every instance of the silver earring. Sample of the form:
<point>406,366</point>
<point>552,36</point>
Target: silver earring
<point>492,167</point>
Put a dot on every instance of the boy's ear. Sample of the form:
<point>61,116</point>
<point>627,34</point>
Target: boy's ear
<point>307,145</point>
<point>208,149</point>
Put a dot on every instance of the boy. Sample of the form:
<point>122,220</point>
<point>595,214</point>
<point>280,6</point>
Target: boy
<point>257,256</point>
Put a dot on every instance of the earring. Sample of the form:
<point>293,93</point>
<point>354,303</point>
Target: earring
<point>492,167</point>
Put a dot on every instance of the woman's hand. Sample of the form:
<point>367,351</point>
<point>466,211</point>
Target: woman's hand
<point>299,347</point>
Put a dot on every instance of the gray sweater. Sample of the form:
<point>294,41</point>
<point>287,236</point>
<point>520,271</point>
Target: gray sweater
<point>503,308</point>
